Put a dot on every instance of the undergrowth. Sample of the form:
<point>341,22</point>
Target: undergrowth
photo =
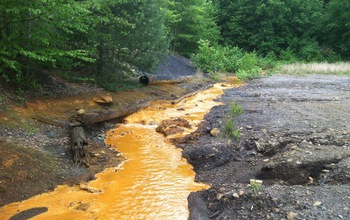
<point>217,58</point>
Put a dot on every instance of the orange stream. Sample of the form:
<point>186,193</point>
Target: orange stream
<point>153,183</point>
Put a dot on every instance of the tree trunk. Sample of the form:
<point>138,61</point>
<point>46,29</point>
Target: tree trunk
<point>79,145</point>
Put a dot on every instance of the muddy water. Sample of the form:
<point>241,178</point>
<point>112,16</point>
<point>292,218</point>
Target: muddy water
<point>153,183</point>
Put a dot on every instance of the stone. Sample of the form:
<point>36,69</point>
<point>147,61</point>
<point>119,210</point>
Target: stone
<point>104,99</point>
<point>81,111</point>
<point>235,195</point>
<point>214,132</point>
<point>317,203</point>
<point>291,215</point>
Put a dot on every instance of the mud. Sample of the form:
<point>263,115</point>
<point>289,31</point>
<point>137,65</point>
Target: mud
<point>295,136</point>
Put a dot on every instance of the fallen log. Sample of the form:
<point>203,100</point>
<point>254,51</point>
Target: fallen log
<point>79,145</point>
<point>191,94</point>
<point>48,120</point>
<point>89,118</point>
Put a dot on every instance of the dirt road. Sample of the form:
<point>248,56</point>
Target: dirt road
<point>295,137</point>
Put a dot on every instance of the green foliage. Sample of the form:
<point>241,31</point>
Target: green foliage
<point>130,36</point>
<point>216,58</point>
<point>119,35</point>
<point>113,39</point>
<point>288,56</point>
<point>216,76</point>
<point>36,34</point>
<point>245,75</point>
<point>229,59</point>
<point>335,31</point>
<point>254,185</point>
<point>272,25</point>
<point>188,22</point>
<point>229,128</point>
<point>235,110</point>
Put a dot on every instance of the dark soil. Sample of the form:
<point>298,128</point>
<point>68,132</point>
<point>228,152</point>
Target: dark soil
<point>295,137</point>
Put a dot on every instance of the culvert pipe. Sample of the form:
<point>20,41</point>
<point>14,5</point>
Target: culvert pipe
<point>162,79</point>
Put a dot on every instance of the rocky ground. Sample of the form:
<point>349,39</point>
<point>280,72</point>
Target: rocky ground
<point>295,138</point>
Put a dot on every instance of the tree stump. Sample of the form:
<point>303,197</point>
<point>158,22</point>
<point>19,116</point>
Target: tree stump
<point>79,145</point>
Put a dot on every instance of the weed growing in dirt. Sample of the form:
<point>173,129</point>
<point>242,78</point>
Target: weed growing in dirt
<point>254,185</point>
<point>30,129</point>
<point>235,110</point>
<point>229,129</point>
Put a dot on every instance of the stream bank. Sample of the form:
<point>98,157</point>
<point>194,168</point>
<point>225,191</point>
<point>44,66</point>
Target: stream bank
<point>34,139</point>
<point>295,137</point>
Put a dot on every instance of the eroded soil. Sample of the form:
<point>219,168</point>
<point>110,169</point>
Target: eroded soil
<point>35,148</point>
<point>295,137</point>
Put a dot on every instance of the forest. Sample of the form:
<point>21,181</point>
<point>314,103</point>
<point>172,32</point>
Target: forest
<point>109,41</point>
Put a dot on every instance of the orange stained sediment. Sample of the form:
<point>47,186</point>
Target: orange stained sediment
<point>153,183</point>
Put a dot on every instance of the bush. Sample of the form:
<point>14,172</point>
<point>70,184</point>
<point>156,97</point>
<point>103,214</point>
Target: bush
<point>311,52</point>
<point>250,74</point>
<point>288,56</point>
<point>218,58</point>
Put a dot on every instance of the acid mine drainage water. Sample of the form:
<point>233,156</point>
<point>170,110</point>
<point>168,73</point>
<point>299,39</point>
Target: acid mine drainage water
<point>153,183</point>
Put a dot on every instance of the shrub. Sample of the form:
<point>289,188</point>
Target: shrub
<point>288,56</point>
<point>230,131</point>
<point>253,73</point>
<point>235,110</point>
<point>217,58</point>
<point>229,128</point>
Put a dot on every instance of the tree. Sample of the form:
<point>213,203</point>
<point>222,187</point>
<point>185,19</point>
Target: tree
<point>189,22</point>
<point>336,28</point>
<point>128,35</point>
<point>270,25</point>
<point>35,34</point>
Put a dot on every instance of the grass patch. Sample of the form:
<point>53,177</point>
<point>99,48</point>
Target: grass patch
<point>216,76</point>
<point>341,68</point>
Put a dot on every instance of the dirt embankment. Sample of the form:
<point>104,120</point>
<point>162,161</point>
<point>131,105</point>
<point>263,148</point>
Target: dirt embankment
<point>295,137</point>
<point>35,151</point>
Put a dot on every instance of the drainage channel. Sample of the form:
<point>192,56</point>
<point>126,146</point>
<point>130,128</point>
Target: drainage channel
<point>153,183</point>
